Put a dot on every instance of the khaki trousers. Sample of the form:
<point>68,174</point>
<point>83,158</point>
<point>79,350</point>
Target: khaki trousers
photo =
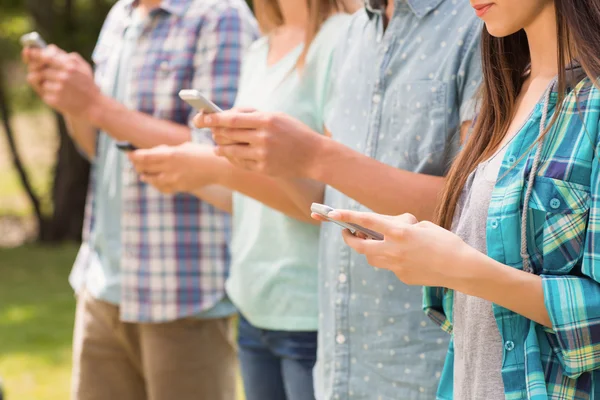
<point>181,360</point>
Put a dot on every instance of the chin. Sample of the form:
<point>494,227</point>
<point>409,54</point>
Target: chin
<point>500,30</point>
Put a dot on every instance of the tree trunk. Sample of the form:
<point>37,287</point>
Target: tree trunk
<point>18,164</point>
<point>69,190</point>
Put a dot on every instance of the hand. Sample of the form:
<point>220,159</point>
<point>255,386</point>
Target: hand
<point>36,65</point>
<point>181,168</point>
<point>419,253</point>
<point>68,84</point>
<point>274,144</point>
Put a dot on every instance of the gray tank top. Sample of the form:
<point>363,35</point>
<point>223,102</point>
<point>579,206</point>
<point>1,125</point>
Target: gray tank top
<point>477,343</point>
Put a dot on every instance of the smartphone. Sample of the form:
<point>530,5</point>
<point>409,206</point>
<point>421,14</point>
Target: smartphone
<point>324,210</point>
<point>32,39</point>
<point>126,146</point>
<point>197,100</point>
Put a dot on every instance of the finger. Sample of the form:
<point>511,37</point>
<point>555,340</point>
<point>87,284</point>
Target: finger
<point>54,59</point>
<point>25,55</point>
<point>318,217</point>
<point>50,87</point>
<point>232,119</point>
<point>239,151</point>
<point>53,75</point>
<point>223,140</point>
<point>158,182</point>
<point>148,161</point>
<point>35,79</point>
<point>243,109</point>
<point>362,246</point>
<point>369,220</point>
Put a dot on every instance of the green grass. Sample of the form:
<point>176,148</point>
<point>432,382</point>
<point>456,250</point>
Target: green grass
<point>36,321</point>
<point>37,308</point>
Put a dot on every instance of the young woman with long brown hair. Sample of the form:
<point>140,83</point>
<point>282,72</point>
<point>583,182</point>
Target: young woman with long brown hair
<point>273,277</point>
<point>514,270</point>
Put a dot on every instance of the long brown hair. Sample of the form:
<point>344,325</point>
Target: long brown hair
<point>505,62</point>
<point>269,16</point>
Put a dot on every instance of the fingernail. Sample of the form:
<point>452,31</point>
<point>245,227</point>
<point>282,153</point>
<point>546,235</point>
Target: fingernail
<point>207,119</point>
<point>333,214</point>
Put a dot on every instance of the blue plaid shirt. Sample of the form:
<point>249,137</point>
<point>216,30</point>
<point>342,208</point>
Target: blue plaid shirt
<point>175,257</point>
<point>563,244</point>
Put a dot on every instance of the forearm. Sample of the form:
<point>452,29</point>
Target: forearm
<point>511,288</point>
<point>142,130</point>
<point>83,134</point>
<point>303,192</point>
<point>380,187</point>
<point>262,188</point>
<point>218,196</point>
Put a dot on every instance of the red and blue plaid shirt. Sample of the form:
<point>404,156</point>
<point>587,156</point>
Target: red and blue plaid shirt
<point>175,256</point>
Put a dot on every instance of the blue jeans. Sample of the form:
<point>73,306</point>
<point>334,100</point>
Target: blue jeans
<point>276,365</point>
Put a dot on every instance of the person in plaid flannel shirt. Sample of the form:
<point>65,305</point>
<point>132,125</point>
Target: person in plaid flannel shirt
<point>152,318</point>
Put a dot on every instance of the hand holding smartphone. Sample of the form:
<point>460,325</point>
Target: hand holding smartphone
<point>324,210</point>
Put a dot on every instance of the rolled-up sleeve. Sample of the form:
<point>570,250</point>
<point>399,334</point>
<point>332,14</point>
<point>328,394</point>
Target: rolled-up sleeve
<point>573,302</point>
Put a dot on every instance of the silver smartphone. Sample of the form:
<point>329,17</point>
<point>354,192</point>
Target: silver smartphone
<point>197,100</point>
<point>32,39</point>
<point>324,210</point>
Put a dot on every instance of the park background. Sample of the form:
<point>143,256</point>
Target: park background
<point>43,183</point>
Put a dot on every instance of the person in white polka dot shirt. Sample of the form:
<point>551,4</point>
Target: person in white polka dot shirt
<point>397,109</point>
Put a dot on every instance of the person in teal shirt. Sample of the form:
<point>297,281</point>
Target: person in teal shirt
<point>274,277</point>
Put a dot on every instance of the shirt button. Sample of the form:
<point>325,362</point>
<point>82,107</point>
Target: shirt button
<point>512,159</point>
<point>509,345</point>
<point>376,98</point>
<point>555,203</point>
<point>342,278</point>
<point>494,223</point>
<point>341,339</point>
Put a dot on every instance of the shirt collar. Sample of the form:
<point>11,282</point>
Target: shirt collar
<point>176,7</point>
<point>419,7</point>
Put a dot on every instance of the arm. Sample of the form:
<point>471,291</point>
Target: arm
<point>190,167</point>
<point>83,134</point>
<point>302,153</point>
<point>216,195</point>
<point>274,193</point>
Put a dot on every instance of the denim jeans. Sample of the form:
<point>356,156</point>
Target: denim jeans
<point>276,365</point>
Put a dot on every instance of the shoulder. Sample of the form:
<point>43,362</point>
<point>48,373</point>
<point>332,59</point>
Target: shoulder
<point>328,39</point>
<point>580,110</point>
<point>583,98</point>
<point>116,14</point>
<point>215,11</point>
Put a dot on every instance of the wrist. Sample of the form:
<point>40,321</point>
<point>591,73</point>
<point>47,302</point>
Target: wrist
<point>223,171</point>
<point>315,168</point>
<point>472,271</point>
<point>96,112</point>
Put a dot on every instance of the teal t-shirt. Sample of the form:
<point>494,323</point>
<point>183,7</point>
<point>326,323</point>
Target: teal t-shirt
<point>273,277</point>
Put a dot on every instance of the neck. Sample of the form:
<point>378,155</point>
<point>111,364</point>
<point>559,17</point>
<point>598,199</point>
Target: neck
<point>389,11</point>
<point>295,13</point>
<point>149,4</point>
<point>543,43</point>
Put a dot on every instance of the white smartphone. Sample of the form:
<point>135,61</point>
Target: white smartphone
<point>32,39</point>
<point>197,100</point>
<point>324,210</point>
